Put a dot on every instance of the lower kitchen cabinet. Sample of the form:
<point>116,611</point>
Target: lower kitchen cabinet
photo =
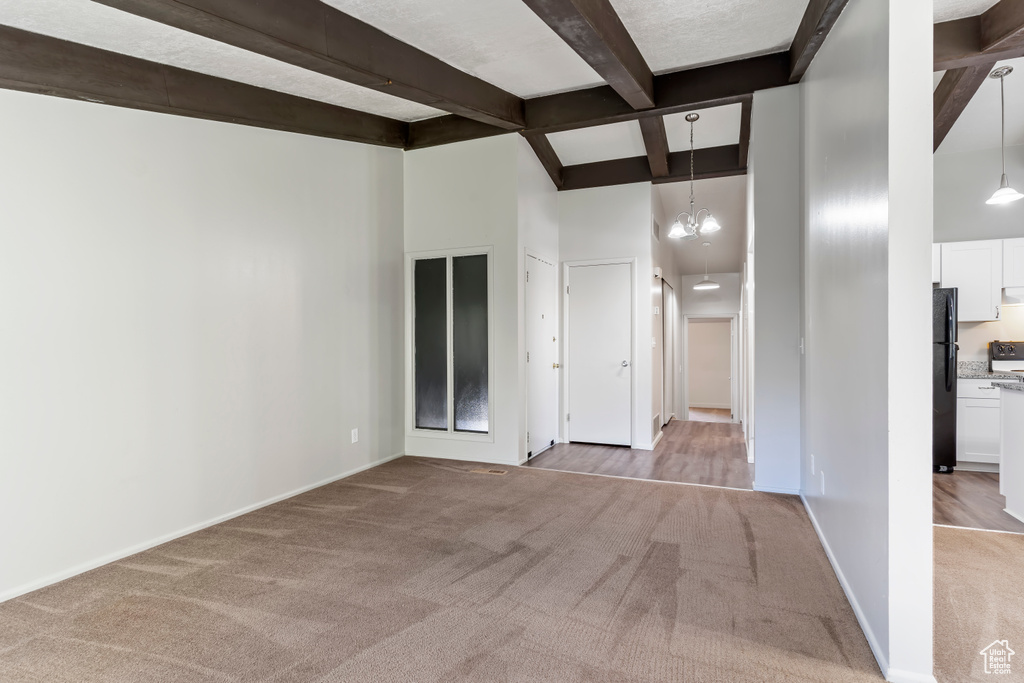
<point>977,423</point>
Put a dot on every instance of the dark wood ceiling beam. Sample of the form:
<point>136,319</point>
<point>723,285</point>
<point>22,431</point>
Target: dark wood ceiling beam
<point>313,35</point>
<point>40,64</point>
<point>713,162</point>
<point>656,143</point>
<point>595,32</point>
<point>745,114</point>
<point>819,18</point>
<point>993,36</point>
<point>547,156</point>
<point>950,98</point>
<point>1002,25</point>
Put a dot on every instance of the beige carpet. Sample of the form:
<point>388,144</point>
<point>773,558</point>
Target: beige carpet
<point>421,570</point>
<point>979,598</point>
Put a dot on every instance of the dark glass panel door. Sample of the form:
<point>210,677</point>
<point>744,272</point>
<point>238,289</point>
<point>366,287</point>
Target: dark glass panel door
<point>430,341</point>
<point>469,338</point>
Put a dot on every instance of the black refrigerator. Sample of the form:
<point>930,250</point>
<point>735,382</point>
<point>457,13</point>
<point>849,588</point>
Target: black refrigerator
<point>944,350</point>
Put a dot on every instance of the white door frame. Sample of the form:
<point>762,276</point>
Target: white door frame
<point>733,358</point>
<point>528,253</point>
<point>669,366</point>
<point>566,360</point>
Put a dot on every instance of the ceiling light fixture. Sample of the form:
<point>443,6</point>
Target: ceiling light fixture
<point>691,230</point>
<point>1005,194</point>
<point>706,283</point>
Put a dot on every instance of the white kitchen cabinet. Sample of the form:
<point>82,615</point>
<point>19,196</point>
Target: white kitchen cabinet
<point>937,263</point>
<point>976,270</point>
<point>977,423</point>
<point>1013,263</point>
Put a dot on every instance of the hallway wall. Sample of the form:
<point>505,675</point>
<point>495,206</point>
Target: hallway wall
<point>710,358</point>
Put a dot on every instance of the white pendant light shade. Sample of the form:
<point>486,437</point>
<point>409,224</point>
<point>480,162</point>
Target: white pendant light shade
<point>710,225</point>
<point>1005,194</point>
<point>706,284</point>
<point>677,231</point>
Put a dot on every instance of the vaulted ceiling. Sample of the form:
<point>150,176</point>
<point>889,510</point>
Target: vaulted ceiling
<point>598,87</point>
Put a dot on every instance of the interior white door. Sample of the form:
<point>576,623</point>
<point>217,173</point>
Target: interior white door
<point>599,363</point>
<point>542,355</point>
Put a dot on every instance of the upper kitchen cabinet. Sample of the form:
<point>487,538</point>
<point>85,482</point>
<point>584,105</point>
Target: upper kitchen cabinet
<point>976,270</point>
<point>1013,263</point>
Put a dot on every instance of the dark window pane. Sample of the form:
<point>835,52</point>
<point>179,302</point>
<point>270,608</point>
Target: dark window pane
<point>469,337</point>
<point>430,339</point>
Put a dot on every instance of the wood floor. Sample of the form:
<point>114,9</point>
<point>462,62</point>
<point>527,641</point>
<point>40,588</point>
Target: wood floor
<point>689,452</point>
<point>710,415</point>
<point>971,499</point>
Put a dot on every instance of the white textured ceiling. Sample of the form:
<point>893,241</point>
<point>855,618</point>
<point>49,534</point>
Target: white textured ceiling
<point>501,41</point>
<point>947,10</point>
<point>726,198</point>
<point>673,34</point>
<point>978,125</point>
<point>90,23</point>
<point>599,143</point>
<point>716,127</point>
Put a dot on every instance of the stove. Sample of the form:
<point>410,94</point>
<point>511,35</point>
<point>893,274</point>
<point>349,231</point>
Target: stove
<point>1007,356</point>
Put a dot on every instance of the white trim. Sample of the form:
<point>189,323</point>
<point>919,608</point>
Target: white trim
<point>971,528</point>
<point>900,676</point>
<point>566,361</point>
<point>711,406</point>
<point>160,540</point>
<point>450,434</point>
<point>654,444</point>
<point>652,481</point>
<point>876,649</point>
<point>776,489</point>
<point>1013,514</point>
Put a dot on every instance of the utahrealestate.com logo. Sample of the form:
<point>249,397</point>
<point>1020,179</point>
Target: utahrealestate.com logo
<point>997,657</point>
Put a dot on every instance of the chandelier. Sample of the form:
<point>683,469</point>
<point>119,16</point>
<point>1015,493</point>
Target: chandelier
<point>691,229</point>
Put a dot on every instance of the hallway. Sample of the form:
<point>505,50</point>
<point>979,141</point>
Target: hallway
<point>708,453</point>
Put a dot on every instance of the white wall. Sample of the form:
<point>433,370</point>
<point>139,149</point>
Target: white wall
<point>710,364</point>
<point>466,195</point>
<point>775,146</point>
<point>962,184</point>
<point>867,189</point>
<point>608,223</point>
<point>195,316</point>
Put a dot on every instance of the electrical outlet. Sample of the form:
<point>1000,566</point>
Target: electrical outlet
<point>355,435</point>
<point>823,482</point>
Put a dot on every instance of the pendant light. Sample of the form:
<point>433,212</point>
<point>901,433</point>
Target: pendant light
<point>1005,194</point>
<point>706,283</point>
<point>691,230</point>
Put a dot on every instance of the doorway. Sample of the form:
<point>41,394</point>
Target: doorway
<point>710,368</point>
<point>541,323</point>
<point>599,360</point>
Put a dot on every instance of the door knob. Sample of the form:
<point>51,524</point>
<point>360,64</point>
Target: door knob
<point>625,363</point>
<point>555,366</point>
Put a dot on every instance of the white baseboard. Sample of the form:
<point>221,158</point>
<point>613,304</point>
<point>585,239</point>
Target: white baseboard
<point>876,650</point>
<point>152,543</point>
<point>654,444</point>
<point>716,406</point>
<point>777,489</point>
<point>900,676</point>
<point>970,466</point>
<point>1014,514</point>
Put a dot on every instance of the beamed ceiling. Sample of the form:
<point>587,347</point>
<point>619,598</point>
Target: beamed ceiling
<point>599,88</point>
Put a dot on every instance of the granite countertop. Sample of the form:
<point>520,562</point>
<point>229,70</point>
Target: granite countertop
<point>1012,386</point>
<point>978,369</point>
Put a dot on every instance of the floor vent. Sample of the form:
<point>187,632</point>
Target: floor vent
<point>497,472</point>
